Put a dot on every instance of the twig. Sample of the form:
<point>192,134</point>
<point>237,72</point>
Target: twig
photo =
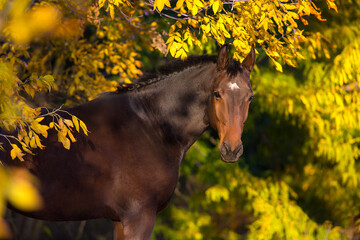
<point>81,15</point>
<point>351,87</point>
<point>186,16</point>
<point>9,136</point>
<point>50,113</point>
<point>128,19</point>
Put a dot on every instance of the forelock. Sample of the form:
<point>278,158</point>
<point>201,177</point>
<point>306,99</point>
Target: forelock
<point>234,68</point>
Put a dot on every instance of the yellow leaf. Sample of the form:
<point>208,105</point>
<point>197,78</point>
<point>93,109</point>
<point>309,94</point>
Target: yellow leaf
<point>32,142</point>
<point>64,140</point>
<point>183,55</point>
<point>290,6</point>
<point>217,193</point>
<point>265,23</point>
<point>275,54</point>
<point>68,122</point>
<point>112,11</point>
<point>256,9</point>
<point>185,47</point>
<point>83,127</point>
<point>199,3</point>
<point>71,136</point>
<point>39,119</point>
<point>38,142</point>
<point>27,140</point>
<point>179,4</point>
<point>29,90</point>
<point>43,130</point>
<point>159,4</point>
<point>101,3</point>
<point>178,24</point>
<point>61,123</point>
<point>189,4</point>
<point>167,3</point>
<point>27,149</point>
<point>331,4</point>
<point>277,65</point>
<point>216,6</point>
<point>224,31</point>
<point>179,53</point>
<point>174,47</point>
<point>76,123</point>
<point>194,10</point>
<point>207,28</point>
<point>16,152</point>
<point>66,143</point>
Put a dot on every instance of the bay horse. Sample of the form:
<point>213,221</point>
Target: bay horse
<point>126,169</point>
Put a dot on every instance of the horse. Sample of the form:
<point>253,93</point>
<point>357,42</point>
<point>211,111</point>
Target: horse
<point>127,168</point>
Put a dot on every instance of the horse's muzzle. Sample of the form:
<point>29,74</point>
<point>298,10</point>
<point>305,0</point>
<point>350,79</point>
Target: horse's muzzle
<point>228,155</point>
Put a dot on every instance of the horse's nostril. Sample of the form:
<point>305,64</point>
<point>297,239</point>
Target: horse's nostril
<point>226,146</point>
<point>225,149</point>
<point>227,152</point>
<point>238,149</point>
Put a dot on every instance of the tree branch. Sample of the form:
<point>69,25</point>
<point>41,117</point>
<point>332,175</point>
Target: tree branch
<point>351,87</point>
<point>150,3</point>
<point>79,14</point>
<point>127,18</point>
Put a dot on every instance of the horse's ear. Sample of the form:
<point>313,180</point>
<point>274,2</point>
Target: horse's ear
<point>249,61</point>
<point>223,58</point>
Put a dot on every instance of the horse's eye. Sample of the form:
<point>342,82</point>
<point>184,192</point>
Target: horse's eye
<point>217,94</point>
<point>250,98</point>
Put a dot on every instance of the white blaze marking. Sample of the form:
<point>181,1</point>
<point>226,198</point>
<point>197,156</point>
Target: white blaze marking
<point>233,86</point>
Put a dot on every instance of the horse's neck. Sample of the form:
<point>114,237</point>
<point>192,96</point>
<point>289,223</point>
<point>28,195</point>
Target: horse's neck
<point>178,105</point>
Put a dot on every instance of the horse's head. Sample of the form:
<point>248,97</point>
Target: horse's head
<point>230,102</point>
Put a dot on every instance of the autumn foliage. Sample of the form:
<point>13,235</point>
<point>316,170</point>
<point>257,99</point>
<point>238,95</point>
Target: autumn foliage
<point>299,175</point>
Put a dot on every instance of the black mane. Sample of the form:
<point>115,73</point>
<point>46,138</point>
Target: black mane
<point>177,66</point>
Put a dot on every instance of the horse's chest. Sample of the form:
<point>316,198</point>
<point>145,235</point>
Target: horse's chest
<point>145,178</point>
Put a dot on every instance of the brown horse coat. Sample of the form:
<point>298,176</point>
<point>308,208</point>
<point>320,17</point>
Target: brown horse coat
<point>127,168</point>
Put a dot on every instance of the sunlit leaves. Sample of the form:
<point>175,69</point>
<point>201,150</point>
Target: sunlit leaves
<point>216,6</point>
<point>17,115</point>
<point>331,4</point>
<point>277,65</point>
<point>112,5</point>
<point>177,47</point>
<point>16,152</point>
<point>329,116</point>
<point>216,193</point>
<point>281,217</point>
<point>159,4</point>
<point>223,197</point>
<point>326,105</point>
<point>320,100</point>
<point>271,24</point>
<point>29,70</point>
<point>30,137</point>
